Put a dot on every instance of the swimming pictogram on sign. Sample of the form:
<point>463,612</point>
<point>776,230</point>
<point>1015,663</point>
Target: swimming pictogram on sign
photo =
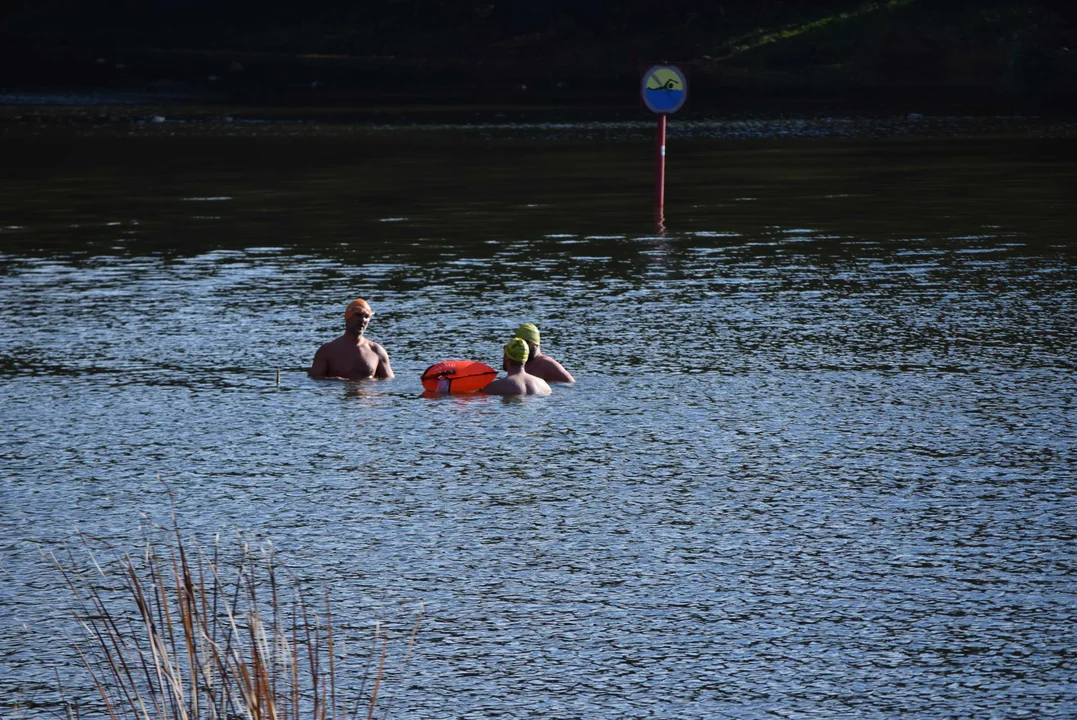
<point>664,89</point>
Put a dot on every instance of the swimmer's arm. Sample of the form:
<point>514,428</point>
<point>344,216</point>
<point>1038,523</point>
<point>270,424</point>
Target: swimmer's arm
<point>384,371</point>
<point>553,371</point>
<point>498,388</point>
<point>562,374</point>
<point>319,368</point>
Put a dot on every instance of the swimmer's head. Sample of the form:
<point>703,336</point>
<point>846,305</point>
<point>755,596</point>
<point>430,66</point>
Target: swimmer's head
<point>528,332</point>
<point>516,351</point>
<point>357,305</point>
<point>357,316</point>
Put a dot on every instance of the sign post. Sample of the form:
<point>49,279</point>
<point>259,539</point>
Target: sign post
<point>660,164</point>
<point>664,90</point>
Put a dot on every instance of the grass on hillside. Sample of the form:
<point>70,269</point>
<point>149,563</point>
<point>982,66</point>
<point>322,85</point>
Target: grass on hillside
<point>766,36</point>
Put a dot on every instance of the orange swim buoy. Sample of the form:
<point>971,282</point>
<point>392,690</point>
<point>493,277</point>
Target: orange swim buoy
<point>458,376</point>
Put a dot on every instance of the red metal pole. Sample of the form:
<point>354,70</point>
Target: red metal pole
<point>660,167</point>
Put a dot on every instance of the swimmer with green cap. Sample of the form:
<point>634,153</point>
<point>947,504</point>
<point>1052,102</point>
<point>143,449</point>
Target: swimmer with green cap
<point>517,381</point>
<point>540,365</point>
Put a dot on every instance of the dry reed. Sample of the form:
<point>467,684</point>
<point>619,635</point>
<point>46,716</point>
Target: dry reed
<point>175,633</point>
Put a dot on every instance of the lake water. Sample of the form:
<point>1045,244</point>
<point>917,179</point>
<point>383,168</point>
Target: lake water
<point>819,462</point>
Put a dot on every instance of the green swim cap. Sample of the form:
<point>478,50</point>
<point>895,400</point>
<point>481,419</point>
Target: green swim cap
<point>528,332</point>
<point>517,350</point>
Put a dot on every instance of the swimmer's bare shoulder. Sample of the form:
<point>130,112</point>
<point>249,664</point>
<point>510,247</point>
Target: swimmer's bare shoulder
<point>504,386</point>
<point>384,370</point>
<point>319,367</point>
<point>518,386</point>
<point>549,369</point>
<point>538,386</point>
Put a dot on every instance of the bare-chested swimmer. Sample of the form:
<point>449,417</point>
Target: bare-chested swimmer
<point>540,365</point>
<point>517,381</point>
<point>351,356</point>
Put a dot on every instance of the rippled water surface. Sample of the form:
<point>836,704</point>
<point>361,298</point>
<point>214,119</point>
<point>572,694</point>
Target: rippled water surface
<point>819,460</point>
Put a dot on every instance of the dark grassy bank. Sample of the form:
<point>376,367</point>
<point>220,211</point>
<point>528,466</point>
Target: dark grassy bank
<point>797,55</point>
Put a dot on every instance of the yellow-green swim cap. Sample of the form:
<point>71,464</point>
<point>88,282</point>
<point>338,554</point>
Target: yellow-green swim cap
<point>528,332</point>
<point>517,350</point>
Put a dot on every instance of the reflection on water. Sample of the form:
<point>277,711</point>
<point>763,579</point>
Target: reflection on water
<point>819,460</point>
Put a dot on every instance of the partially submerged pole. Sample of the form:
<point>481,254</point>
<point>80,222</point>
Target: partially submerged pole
<point>660,165</point>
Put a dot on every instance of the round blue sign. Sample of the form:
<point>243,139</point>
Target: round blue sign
<point>664,89</point>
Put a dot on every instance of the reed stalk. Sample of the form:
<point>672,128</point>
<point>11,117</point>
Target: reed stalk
<point>174,633</point>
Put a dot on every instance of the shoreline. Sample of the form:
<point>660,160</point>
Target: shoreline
<point>111,113</point>
<point>146,115</point>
